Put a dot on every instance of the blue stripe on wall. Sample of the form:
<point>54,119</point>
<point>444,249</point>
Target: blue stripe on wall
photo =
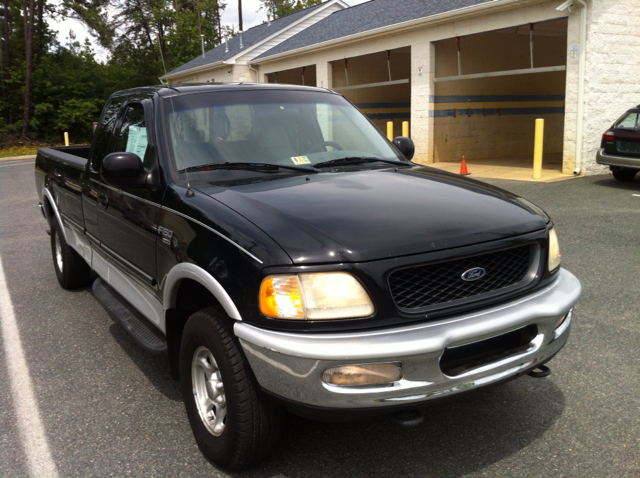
<point>488,98</point>
<point>383,105</point>
<point>496,111</point>
<point>374,116</point>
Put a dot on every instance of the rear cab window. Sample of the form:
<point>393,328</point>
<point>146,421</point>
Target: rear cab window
<point>629,121</point>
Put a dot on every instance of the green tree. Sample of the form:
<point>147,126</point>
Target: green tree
<point>281,8</point>
<point>172,29</point>
<point>70,88</point>
<point>28,16</point>
<point>93,14</point>
<point>48,87</point>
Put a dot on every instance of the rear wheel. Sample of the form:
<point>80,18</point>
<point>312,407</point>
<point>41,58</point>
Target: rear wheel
<point>234,424</point>
<point>624,174</point>
<point>71,269</point>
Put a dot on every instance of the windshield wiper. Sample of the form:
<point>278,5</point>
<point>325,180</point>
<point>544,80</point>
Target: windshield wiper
<point>359,160</point>
<point>247,167</point>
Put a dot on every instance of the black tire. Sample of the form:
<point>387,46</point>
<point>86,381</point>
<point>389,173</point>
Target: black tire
<point>71,269</point>
<point>624,174</point>
<point>251,422</point>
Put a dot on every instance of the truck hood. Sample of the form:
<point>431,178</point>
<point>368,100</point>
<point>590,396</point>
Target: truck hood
<point>375,214</point>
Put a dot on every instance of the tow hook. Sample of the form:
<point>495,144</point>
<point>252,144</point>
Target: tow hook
<point>540,372</point>
<point>409,418</point>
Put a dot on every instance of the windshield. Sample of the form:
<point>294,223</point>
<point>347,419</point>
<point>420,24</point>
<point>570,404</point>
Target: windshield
<point>272,127</point>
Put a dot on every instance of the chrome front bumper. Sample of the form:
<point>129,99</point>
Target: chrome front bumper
<point>290,365</point>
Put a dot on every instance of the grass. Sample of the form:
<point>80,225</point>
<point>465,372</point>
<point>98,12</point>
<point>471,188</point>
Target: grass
<point>18,151</point>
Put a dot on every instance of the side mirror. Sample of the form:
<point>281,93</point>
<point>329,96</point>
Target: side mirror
<point>123,169</point>
<point>405,146</point>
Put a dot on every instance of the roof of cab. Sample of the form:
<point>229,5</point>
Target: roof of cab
<point>165,90</point>
<point>204,87</point>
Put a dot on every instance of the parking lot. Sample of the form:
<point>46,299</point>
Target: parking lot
<point>107,408</point>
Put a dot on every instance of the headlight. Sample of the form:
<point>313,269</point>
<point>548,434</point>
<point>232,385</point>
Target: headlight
<point>554,250</point>
<point>314,296</point>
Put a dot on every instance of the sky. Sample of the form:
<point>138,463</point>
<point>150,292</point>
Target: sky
<point>251,16</point>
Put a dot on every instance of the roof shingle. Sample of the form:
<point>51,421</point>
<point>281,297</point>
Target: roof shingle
<point>365,17</point>
<point>249,38</point>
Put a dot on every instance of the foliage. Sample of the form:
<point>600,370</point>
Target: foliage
<point>69,90</point>
<point>281,8</point>
<point>170,30</point>
<point>19,151</point>
<point>68,87</point>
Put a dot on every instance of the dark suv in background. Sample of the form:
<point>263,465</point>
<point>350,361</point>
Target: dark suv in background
<point>620,147</point>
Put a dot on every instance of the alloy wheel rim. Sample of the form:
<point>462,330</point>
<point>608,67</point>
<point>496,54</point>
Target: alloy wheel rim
<point>208,391</point>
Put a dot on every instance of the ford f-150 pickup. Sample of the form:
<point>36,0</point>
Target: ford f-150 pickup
<point>286,255</point>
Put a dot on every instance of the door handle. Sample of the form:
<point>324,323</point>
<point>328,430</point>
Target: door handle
<point>103,201</point>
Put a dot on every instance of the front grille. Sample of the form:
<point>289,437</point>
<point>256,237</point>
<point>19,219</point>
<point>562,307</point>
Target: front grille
<point>431,285</point>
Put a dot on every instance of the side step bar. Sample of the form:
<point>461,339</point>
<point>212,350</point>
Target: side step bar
<point>142,331</point>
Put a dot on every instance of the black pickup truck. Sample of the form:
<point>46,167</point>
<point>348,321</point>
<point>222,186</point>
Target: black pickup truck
<point>284,254</point>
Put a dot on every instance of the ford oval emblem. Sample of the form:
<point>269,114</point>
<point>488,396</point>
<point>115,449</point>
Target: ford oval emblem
<point>473,274</point>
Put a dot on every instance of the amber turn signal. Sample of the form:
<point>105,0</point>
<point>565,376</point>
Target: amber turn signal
<point>280,297</point>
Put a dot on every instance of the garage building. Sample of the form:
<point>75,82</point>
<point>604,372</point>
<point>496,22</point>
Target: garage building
<point>471,76</point>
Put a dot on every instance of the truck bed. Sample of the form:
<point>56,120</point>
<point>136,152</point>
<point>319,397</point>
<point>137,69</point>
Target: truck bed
<point>62,167</point>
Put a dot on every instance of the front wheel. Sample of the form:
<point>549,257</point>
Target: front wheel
<point>234,424</point>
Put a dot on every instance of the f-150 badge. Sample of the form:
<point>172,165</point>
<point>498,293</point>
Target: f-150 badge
<point>166,234</point>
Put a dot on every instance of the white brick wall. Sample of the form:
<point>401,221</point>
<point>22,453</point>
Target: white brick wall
<point>613,70</point>
<point>571,96</point>
<point>423,57</point>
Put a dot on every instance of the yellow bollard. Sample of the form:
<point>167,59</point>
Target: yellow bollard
<point>537,149</point>
<point>405,129</point>
<point>66,139</point>
<point>390,130</point>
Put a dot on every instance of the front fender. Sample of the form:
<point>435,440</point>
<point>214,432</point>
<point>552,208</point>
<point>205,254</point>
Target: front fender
<point>186,270</point>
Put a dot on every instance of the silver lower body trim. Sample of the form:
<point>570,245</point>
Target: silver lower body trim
<point>137,295</point>
<point>291,365</point>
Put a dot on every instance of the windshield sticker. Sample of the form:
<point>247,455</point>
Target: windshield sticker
<point>300,160</point>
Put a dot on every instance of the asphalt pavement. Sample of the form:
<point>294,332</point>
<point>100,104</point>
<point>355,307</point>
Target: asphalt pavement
<point>108,408</point>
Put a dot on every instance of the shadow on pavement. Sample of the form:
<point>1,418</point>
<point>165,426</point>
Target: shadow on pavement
<point>154,367</point>
<point>456,438</point>
<point>610,182</point>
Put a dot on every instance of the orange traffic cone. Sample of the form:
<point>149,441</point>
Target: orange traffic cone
<point>463,167</point>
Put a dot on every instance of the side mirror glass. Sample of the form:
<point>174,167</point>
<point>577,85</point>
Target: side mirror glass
<point>123,169</point>
<point>405,146</point>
